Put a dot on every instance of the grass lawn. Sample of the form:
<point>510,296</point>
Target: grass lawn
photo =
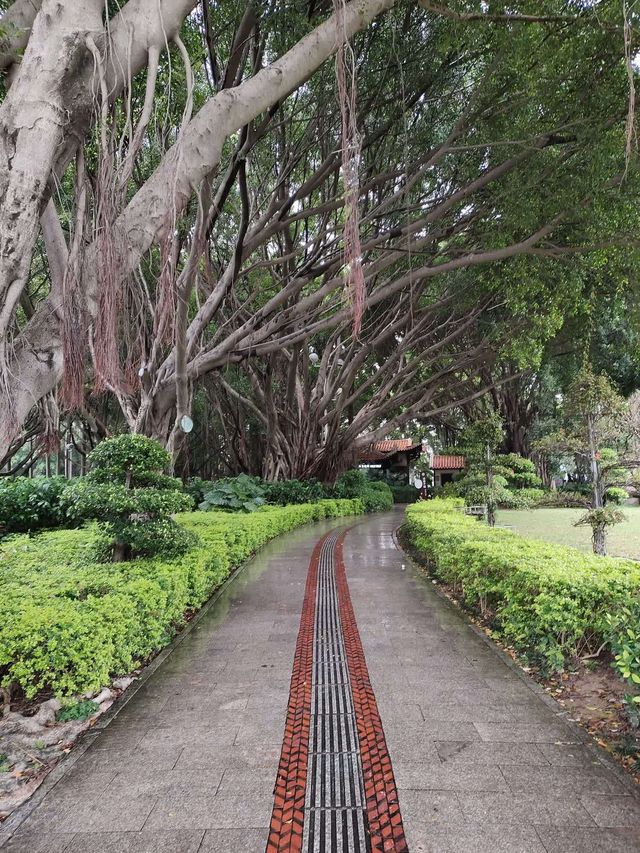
<point>556,525</point>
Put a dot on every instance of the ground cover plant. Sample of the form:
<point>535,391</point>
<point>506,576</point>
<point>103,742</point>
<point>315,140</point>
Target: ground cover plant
<point>551,603</point>
<point>70,624</point>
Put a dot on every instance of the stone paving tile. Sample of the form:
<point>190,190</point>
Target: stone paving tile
<point>574,840</point>
<point>596,779</point>
<point>236,840</point>
<point>37,842</point>
<point>568,755</point>
<point>524,732</point>
<point>477,838</point>
<point>483,753</point>
<point>613,810</point>
<point>427,809</point>
<point>539,808</point>
<point>137,842</point>
<point>431,776</point>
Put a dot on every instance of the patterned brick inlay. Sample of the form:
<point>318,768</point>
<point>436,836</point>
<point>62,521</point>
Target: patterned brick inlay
<point>335,789</point>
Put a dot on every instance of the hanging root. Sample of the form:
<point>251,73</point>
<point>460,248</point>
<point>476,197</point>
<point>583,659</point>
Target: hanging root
<point>351,147</point>
<point>50,434</point>
<point>107,359</point>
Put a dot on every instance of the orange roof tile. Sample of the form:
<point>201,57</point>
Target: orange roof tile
<point>442,462</point>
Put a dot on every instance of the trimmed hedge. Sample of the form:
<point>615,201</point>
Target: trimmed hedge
<point>549,602</point>
<point>69,625</point>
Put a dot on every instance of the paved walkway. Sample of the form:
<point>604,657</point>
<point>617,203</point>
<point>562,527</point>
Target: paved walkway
<point>480,762</point>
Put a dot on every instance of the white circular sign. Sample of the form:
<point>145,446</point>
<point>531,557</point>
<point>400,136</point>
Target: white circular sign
<point>417,483</point>
<point>186,424</point>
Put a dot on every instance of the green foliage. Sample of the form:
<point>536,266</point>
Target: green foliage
<point>403,493</point>
<point>131,460</point>
<point>77,710</point>
<point>549,602</point>
<point>70,624</point>
<point>563,499</point>
<point>375,495</point>
<point>289,492</point>
<point>624,641</point>
<point>197,488</point>
<point>130,497</point>
<point>615,495</point>
<point>351,484</point>
<point>29,504</point>
<point>235,494</point>
<point>520,473</point>
<point>601,517</point>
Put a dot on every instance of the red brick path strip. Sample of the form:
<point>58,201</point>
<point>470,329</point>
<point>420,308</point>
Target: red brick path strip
<point>287,818</point>
<point>382,807</point>
<point>381,795</point>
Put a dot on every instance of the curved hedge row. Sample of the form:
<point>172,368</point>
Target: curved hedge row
<point>549,602</point>
<point>69,624</point>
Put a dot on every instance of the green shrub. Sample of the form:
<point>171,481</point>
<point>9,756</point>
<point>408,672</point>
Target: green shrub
<point>130,497</point>
<point>235,494</point>
<point>550,602</point>
<point>375,494</point>
<point>564,500</point>
<point>403,493</point>
<point>30,504</point>
<point>197,488</point>
<point>69,624</point>
<point>288,492</point>
<point>615,495</point>
<point>377,497</point>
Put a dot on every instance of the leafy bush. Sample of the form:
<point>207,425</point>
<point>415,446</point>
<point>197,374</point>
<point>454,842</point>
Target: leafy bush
<point>350,484</point>
<point>197,488</point>
<point>375,494</point>
<point>377,497</point>
<point>615,495</point>
<point>519,471</point>
<point>69,624</point>
<point>624,640</point>
<point>235,494</point>
<point>550,602</point>
<point>130,497</point>
<point>29,504</point>
<point>562,499</point>
<point>403,493</point>
<point>288,492</point>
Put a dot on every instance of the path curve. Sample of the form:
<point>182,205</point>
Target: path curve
<point>334,640</point>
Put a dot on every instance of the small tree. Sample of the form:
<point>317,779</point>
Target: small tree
<point>483,475</point>
<point>130,497</point>
<point>594,412</point>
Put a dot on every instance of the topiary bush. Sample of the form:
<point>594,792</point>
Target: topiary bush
<point>28,504</point>
<point>132,500</point>
<point>235,494</point>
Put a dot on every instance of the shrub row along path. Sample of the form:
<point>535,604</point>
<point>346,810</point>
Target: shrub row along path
<point>274,724</point>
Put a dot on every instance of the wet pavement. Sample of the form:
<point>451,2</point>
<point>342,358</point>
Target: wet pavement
<point>481,761</point>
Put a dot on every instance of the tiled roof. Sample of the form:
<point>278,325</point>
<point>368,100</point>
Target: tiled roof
<point>443,462</point>
<point>393,445</point>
